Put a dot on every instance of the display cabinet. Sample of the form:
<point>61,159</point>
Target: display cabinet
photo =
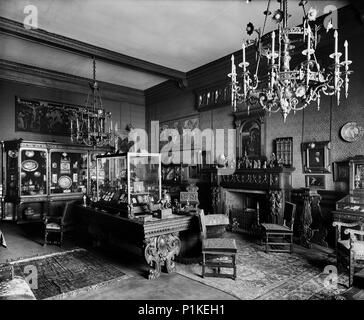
<point>356,176</point>
<point>351,207</point>
<point>40,176</point>
<point>351,204</point>
<point>128,184</point>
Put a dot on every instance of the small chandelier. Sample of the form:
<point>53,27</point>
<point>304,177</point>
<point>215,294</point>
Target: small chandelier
<point>285,89</point>
<point>88,124</point>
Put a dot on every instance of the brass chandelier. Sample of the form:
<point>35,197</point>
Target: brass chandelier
<point>89,123</point>
<point>283,88</point>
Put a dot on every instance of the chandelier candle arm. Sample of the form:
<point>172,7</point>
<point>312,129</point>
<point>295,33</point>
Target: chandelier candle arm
<point>336,43</point>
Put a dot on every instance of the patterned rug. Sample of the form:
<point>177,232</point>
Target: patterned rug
<point>275,276</point>
<point>68,273</point>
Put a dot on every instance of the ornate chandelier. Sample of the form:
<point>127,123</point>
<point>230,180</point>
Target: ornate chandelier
<point>88,124</point>
<point>284,88</point>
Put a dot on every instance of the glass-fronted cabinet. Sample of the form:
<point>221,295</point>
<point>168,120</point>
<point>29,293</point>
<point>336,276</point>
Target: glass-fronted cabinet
<point>128,183</point>
<point>356,167</point>
<point>40,176</point>
<point>352,206</point>
<point>68,172</point>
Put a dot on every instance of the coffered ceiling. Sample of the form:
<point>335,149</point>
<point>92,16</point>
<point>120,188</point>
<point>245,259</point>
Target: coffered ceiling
<point>176,35</point>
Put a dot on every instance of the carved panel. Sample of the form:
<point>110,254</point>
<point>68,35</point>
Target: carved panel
<point>161,250</point>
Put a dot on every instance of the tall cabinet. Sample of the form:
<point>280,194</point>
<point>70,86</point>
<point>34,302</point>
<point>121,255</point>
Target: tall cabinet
<point>351,207</point>
<point>39,177</point>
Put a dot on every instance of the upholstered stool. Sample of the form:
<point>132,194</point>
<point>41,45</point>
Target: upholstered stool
<point>219,253</point>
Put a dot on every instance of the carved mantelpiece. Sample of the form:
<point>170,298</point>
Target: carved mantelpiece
<point>270,187</point>
<point>260,179</point>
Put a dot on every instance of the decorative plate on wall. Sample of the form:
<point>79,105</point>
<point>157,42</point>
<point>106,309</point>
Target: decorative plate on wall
<point>29,165</point>
<point>65,182</point>
<point>351,132</point>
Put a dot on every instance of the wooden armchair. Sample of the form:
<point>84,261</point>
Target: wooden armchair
<point>349,252</point>
<point>59,225</point>
<point>280,235</point>
<point>217,253</point>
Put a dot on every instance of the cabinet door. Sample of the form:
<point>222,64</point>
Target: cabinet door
<point>33,172</point>
<point>68,172</point>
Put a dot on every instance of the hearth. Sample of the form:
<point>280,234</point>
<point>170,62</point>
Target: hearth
<point>246,209</point>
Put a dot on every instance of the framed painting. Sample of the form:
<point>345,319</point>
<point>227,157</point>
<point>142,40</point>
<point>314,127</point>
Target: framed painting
<point>181,125</point>
<point>316,157</point>
<point>43,117</point>
<point>316,181</point>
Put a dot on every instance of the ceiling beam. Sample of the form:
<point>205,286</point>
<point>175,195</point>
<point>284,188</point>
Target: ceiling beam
<point>17,72</point>
<point>15,28</point>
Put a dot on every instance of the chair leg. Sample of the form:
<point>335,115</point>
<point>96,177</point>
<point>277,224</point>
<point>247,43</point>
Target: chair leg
<point>234,263</point>
<point>61,240</point>
<point>291,246</point>
<point>266,243</point>
<point>351,270</point>
<point>45,238</point>
<point>203,264</point>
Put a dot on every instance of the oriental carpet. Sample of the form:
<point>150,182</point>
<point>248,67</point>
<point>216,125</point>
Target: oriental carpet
<point>68,273</point>
<point>275,276</point>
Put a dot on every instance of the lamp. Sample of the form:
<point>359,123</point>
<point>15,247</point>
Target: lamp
<point>283,88</point>
<point>89,123</point>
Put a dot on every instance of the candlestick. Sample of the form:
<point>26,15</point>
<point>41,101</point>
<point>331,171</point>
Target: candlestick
<point>243,47</point>
<point>308,42</point>
<point>336,43</point>
<point>273,45</point>
<point>346,51</point>
<point>233,69</point>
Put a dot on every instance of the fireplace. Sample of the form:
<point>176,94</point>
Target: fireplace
<point>246,208</point>
<point>238,193</point>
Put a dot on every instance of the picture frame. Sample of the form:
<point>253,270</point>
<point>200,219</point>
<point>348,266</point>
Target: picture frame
<point>317,181</point>
<point>341,171</point>
<point>179,124</point>
<point>316,157</point>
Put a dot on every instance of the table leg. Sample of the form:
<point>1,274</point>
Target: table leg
<point>161,250</point>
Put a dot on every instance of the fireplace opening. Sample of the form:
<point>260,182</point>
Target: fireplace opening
<point>246,209</point>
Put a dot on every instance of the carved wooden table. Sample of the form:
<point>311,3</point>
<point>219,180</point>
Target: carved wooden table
<point>158,238</point>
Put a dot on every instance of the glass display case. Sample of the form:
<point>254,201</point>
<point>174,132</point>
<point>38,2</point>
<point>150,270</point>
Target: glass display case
<point>128,183</point>
<point>40,176</point>
<point>356,167</point>
<point>351,207</point>
<point>351,203</point>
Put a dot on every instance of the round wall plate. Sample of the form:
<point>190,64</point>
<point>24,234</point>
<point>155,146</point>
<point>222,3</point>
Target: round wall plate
<point>351,132</point>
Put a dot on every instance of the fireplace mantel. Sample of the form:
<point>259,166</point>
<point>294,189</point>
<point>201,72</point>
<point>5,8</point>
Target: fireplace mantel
<point>278,178</point>
<point>270,187</point>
